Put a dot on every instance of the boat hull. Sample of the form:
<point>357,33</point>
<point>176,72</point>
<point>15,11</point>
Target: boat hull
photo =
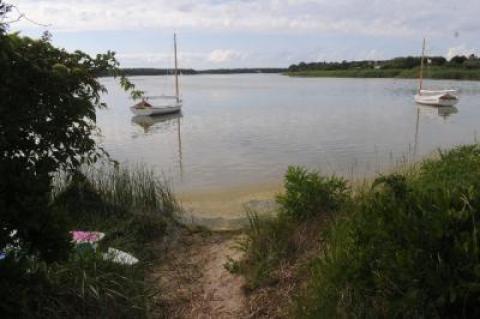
<point>156,110</point>
<point>436,100</point>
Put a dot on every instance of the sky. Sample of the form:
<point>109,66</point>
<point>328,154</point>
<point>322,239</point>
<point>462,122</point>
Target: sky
<point>254,33</point>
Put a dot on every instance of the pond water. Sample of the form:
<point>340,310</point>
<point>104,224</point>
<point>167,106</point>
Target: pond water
<point>243,131</point>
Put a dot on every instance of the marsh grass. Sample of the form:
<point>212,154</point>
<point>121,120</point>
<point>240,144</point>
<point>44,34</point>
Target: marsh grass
<point>407,247</point>
<point>117,190</point>
<point>278,253</point>
<point>268,242</point>
<point>136,212</point>
<point>272,240</point>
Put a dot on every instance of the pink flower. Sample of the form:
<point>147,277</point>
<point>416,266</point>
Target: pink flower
<point>80,237</point>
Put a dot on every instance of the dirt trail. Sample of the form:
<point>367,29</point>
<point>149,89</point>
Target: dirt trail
<point>194,282</point>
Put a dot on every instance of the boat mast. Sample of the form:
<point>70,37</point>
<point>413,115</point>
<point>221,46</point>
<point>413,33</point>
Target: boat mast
<point>176,67</point>
<point>421,67</point>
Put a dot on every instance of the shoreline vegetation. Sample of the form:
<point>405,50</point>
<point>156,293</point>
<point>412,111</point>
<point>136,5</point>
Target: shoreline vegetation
<point>458,68</point>
<point>436,73</point>
<point>403,245</point>
<point>161,71</point>
<point>137,214</point>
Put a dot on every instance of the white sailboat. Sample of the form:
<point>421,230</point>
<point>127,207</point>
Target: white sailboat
<point>162,104</point>
<point>433,97</point>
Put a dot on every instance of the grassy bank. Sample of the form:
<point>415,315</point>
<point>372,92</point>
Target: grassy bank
<point>405,245</point>
<point>435,72</point>
<point>135,211</point>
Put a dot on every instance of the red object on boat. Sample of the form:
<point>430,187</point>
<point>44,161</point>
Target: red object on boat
<point>142,104</point>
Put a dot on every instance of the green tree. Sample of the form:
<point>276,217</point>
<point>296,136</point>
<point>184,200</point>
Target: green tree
<point>458,59</point>
<point>47,123</point>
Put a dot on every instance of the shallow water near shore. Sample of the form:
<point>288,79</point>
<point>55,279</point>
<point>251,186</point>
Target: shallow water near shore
<point>237,134</point>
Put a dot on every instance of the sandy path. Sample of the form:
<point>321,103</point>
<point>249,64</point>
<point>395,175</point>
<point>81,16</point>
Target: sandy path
<point>193,281</point>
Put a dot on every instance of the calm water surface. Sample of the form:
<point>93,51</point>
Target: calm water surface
<point>244,130</point>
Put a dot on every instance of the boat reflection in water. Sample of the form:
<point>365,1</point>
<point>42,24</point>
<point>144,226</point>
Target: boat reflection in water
<point>434,111</point>
<point>152,124</point>
<point>431,112</point>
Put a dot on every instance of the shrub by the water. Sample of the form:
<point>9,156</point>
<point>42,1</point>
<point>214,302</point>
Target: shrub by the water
<point>408,247</point>
<point>308,194</point>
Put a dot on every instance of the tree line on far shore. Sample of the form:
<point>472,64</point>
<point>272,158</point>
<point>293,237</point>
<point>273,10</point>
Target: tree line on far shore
<point>158,71</point>
<point>460,61</point>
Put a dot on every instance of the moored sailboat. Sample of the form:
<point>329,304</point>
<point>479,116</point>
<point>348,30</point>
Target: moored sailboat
<point>433,97</point>
<point>163,104</point>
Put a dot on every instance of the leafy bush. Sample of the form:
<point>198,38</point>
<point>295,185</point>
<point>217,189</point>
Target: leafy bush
<point>408,248</point>
<point>47,123</point>
<point>308,194</point>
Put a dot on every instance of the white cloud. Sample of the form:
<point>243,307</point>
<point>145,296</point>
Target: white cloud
<point>459,50</point>
<point>268,32</point>
<point>186,59</point>
<point>222,56</point>
<point>377,17</point>
<point>146,58</point>
<point>372,55</point>
<point>162,60</point>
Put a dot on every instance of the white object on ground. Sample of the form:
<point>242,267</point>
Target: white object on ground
<point>119,257</point>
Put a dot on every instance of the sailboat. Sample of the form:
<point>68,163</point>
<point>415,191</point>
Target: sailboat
<point>163,104</point>
<point>433,97</point>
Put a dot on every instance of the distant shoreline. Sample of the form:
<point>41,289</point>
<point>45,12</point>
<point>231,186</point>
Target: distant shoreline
<point>439,73</point>
<point>155,71</point>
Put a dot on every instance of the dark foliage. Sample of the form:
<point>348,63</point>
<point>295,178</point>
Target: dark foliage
<point>85,285</point>
<point>47,123</point>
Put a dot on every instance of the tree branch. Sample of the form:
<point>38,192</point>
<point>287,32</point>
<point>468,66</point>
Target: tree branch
<point>23,16</point>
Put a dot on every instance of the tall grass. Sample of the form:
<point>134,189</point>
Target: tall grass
<point>135,210</point>
<point>308,201</point>
<point>269,242</point>
<point>118,189</point>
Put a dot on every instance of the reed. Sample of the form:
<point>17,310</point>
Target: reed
<point>118,189</point>
<point>272,241</point>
